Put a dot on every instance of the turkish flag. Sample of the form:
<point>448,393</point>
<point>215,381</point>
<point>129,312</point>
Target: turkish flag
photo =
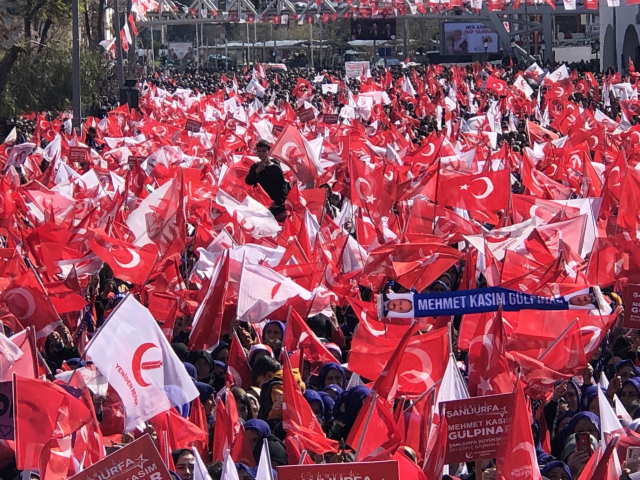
<point>567,355</point>
<point>374,434</point>
<point>229,432</point>
<point>489,372</point>
<point>485,192</point>
<point>180,432</point>
<point>26,300</point>
<point>298,418</point>
<point>238,367</point>
<point>516,457</point>
<point>418,265</point>
<point>207,321</point>
<point>629,208</point>
<point>293,150</point>
<point>43,411</point>
<point>128,262</point>
<point>299,336</point>
<point>539,380</point>
<point>422,363</point>
<point>496,85</point>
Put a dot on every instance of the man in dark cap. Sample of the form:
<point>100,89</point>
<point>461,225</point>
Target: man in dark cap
<point>268,174</point>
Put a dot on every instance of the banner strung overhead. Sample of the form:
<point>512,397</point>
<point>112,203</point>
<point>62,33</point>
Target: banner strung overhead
<point>411,305</point>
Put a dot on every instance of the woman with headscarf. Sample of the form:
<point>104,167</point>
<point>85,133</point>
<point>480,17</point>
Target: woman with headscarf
<point>333,391</point>
<point>590,400</point>
<point>271,395</point>
<point>256,432</point>
<point>556,438</point>
<point>219,376</point>
<point>331,373</point>
<point>314,399</point>
<point>583,422</point>
<point>329,403</point>
<point>566,392</point>
<point>630,394</point>
<point>575,458</point>
<point>273,335</point>
<point>203,363</point>
<point>243,403</point>
<point>346,409</point>
<point>556,470</point>
<point>625,369</point>
<point>220,352</point>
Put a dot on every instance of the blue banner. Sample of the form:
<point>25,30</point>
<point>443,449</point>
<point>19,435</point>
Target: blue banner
<point>410,305</point>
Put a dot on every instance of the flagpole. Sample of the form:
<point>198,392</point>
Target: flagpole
<point>111,315</point>
<point>374,398</point>
<point>424,394</point>
<point>555,342</point>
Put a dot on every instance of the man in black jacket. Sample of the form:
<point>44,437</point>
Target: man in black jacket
<point>268,174</point>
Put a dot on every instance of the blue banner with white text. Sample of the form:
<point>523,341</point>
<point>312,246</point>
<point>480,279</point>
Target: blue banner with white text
<point>410,305</point>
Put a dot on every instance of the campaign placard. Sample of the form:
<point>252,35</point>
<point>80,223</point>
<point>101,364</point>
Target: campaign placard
<point>193,125</point>
<point>330,118</point>
<point>6,411</point>
<point>354,471</point>
<point>475,426</point>
<point>356,69</point>
<point>632,307</point>
<point>139,459</point>
<point>78,154</point>
<point>306,115</point>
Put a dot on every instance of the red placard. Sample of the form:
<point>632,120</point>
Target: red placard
<point>632,307</point>
<point>354,471</point>
<point>78,154</point>
<point>139,459</point>
<point>136,158</point>
<point>330,118</point>
<point>475,426</point>
<point>305,114</point>
<point>278,129</point>
<point>193,125</point>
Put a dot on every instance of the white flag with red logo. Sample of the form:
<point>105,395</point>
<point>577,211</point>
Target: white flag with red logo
<point>137,359</point>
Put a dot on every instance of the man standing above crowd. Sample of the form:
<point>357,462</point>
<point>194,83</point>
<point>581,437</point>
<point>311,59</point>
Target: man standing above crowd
<point>268,174</point>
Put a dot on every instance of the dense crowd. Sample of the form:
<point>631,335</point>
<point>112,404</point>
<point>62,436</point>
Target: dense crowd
<point>260,216</point>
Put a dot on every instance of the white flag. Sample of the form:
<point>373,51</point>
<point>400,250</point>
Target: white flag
<point>10,353</point>
<point>264,466</point>
<point>12,137</point>
<point>253,217</point>
<point>263,290</point>
<point>609,422</point>
<point>199,470</point>
<point>139,363</point>
<point>522,85</point>
<point>453,386</point>
<point>229,470</point>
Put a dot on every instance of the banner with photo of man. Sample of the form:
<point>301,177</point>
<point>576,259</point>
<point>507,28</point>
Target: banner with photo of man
<point>412,305</point>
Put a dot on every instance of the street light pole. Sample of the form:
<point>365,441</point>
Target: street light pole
<point>116,19</point>
<point>77,102</point>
